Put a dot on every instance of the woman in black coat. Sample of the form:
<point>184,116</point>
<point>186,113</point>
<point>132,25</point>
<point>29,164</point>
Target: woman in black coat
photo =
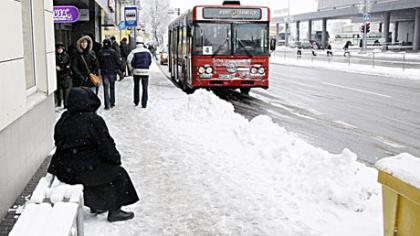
<point>86,154</point>
<point>83,63</point>
<point>64,80</point>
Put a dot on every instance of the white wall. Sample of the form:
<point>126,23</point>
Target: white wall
<point>12,77</point>
<point>27,116</point>
<point>14,99</point>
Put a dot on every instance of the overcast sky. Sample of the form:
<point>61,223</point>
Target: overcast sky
<point>296,6</point>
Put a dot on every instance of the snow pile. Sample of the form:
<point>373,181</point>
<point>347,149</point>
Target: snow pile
<point>404,167</point>
<point>202,169</point>
<point>308,170</point>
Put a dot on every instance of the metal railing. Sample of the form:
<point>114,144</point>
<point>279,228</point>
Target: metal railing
<point>351,57</point>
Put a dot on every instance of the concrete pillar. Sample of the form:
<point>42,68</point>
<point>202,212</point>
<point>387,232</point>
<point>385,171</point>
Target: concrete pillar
<point>385,33</point>
<point>298,31</point>
<point>324,33</point>
<point>287,33</point>
<point>416,43</point>
<point>309,29</point>
<point>277,31</point>
<point>396,28</point>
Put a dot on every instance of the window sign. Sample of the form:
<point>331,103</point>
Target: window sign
<point>232,13</point>
<point>66,14</point>
<point>207,50</point>
<point>130,14</point>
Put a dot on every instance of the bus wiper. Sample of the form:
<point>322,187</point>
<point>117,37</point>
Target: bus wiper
<point>248,53</point>
<point>220,47</point>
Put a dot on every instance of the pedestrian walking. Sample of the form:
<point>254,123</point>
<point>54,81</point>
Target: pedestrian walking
<point>314,48</point>
<point>125,51</point>
<point>346,48</point>
<point>64,80</point>
<point>86,154</point>
<point>83,63</point>
<point>117,48</point>
<point>139,62</point>
<point>109,65</point>
<point>329,50</point>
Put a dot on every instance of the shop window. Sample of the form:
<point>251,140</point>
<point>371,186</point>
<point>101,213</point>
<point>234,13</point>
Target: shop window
<point>28,43</point>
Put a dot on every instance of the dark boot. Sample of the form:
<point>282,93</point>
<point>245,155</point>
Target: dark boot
<point>119,215</point>
<point>97,211</point>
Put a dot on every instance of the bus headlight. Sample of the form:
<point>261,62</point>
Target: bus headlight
<point>261,70</point>
<point>201,70</point>
<point>254,70</point>
<point>209,70</point>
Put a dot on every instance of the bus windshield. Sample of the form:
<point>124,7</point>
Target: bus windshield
<point>239,39</point>
<point>250,39</point>
<point>212,39</point>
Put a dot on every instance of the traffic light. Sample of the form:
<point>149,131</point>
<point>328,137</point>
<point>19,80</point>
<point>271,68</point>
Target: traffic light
<point>362,28</point>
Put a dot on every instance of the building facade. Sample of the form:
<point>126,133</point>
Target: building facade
<point>27,84</point>
<point>398,20</point>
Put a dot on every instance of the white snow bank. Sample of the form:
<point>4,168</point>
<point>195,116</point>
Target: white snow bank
<point>411,74</point>
<point>404,167</point>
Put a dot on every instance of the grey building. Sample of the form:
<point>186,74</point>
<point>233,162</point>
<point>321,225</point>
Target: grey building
<point>403,14</point>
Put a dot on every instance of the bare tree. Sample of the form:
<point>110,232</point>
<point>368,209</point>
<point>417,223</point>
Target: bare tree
<point>155,14</point>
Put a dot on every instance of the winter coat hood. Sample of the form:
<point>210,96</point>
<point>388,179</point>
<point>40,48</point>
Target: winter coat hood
<point>79,41</point>
<point>82,99</point>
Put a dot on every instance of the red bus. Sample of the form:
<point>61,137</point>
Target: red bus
<point>221,46</point>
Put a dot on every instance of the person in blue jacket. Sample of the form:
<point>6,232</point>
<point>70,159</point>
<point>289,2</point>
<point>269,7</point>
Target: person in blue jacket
<point>139,61</point>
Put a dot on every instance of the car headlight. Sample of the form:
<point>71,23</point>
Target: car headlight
<point>201,70</point>
<point>254,70</point>
<point>261,70</point>
<point>209,70</point>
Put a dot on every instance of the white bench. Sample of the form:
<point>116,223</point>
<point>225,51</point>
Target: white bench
<point>54,209</point>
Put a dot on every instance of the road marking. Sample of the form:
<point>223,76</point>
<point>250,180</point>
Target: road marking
<point>358,90</point>
<point>292,111</point>
<point>388,142</point>
<point>344,124</point>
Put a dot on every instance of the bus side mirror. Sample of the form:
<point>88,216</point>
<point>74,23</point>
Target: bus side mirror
<point>273,43</point>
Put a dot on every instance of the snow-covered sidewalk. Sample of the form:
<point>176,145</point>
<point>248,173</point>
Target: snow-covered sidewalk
<point>202,169</point>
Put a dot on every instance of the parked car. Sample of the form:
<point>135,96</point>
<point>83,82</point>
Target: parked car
<point>163,56</point>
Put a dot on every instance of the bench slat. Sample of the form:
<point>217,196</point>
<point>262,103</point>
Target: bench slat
<point>63,218</point>
<point>32,221</point>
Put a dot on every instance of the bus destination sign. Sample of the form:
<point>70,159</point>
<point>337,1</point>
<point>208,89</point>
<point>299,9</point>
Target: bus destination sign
<point>232,13</point>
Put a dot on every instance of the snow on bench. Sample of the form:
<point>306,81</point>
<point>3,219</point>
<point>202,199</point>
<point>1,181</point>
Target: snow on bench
<point>54,209</point>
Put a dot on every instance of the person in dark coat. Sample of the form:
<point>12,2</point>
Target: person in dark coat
<point>117,48</point>
<point>86,154</point>
<point>83,63</point>
<point>64,80</point>
<point>125,51</point>
<point>109,64</point>
<point>346,48</point>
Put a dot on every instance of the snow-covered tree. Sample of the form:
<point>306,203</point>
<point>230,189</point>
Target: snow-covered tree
<point>156,16</point>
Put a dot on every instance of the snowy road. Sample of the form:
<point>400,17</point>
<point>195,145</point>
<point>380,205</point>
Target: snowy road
<point>373,116</point>
<point>202,169</point>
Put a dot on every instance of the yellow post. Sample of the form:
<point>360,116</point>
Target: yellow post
<point>401,206</point>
